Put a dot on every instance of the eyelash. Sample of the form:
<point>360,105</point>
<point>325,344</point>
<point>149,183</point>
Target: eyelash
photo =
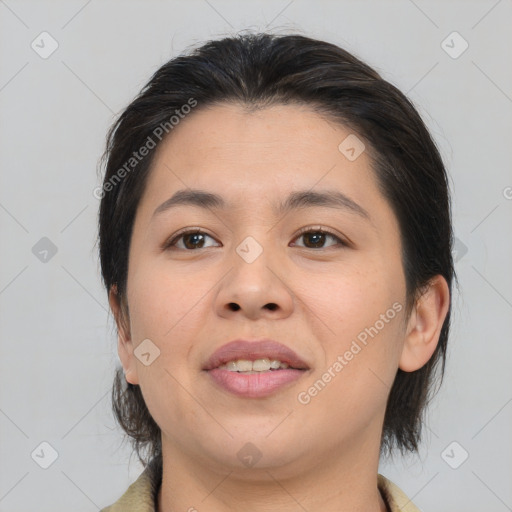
<point>196,231</point>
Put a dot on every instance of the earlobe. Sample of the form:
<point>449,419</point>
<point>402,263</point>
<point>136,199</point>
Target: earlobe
<point>124,342</point>
<point>425,324</point>
<point>125,351</point>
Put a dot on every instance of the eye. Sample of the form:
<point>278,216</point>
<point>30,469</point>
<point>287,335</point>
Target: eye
<point>316,237</point>
<point>193,239</point>
<point>189,240</point>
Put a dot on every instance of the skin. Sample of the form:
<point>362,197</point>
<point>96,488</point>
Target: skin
<point>322,455</point>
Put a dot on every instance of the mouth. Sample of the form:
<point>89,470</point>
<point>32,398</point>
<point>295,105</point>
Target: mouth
<point>249,367</point>
<point>254,369</point>
<point>262,355</point>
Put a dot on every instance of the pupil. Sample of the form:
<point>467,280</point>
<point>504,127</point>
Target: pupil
<point>315,239</point>
<point>189,236</point>
<point>319,238</point>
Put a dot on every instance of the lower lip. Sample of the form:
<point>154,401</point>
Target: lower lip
<point>254,385</point>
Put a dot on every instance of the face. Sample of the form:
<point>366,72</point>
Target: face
<point>253,271</point>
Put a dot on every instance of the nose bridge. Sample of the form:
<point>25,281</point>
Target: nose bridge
<point>255,235</point>
<point>250,249</point>
<point>254,259</point>
<point>255,285</point>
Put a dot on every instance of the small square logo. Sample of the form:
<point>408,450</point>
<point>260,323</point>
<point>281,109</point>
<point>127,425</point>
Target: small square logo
<point>147,352</point>
<point>44,45</point>
<point>44,455</point>
<point>454,45</point>
<point>352,147</point>
<point>249,250</point>
<point>454,455</point>
<point>459,250</point>
<point>249,455</point>
<point>44,250</point>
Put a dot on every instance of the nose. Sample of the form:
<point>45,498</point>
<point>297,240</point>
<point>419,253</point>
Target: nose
<point>255,288</point>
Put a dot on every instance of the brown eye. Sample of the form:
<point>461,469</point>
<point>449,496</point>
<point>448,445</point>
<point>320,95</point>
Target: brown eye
<point>189,240</point>
<point>316,238</point>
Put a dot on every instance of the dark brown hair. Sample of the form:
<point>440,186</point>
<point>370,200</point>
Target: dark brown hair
<point>259,70</point>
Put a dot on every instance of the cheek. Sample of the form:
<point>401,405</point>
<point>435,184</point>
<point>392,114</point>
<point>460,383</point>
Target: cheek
<point>352,299</point>
<point>167,307</point>
<point>361,346</point>
<point>362,318</point>
<point>163,299</point>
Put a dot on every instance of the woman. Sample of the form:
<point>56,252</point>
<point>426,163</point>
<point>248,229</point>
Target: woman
<point>275,239</point>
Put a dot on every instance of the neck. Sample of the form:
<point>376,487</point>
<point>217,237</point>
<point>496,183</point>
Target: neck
<point>346,482</point>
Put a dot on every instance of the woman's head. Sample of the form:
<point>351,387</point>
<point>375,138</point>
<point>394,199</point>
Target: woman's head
<point>261,123</point>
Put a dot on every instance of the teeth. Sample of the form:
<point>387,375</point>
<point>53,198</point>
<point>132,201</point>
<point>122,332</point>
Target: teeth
<point>260,365</point>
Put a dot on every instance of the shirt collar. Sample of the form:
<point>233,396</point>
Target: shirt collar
<point>142,495</point>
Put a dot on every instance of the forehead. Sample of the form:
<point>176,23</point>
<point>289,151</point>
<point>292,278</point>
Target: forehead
<point>227,129</point>
<point>255,162</point>
<point>227,149</point>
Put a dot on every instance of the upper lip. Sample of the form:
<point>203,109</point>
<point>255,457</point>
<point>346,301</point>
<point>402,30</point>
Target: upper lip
<point>252,350</point>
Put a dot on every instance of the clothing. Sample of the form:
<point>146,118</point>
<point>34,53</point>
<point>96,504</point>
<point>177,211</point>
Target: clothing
<point>141,495</point>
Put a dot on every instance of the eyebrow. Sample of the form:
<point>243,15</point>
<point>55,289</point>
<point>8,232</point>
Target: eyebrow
<point>296,200</point>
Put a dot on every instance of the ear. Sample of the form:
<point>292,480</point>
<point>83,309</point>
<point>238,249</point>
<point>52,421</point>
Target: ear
<point>124,341</point>
<point>425,324</point>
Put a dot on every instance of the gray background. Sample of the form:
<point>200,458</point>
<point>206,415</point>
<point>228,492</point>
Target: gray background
<point>58,348</point>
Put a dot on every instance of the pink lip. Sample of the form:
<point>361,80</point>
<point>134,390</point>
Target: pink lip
<point>258,384</point>
<point>252,350</point>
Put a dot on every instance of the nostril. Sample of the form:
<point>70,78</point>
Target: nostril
<point>272,306</point>
<point>234,306</point>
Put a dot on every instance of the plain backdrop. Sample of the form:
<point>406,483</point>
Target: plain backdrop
<point>58,343</point>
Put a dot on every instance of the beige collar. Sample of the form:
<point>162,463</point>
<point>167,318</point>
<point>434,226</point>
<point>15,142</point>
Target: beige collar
<point>141,495</point>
